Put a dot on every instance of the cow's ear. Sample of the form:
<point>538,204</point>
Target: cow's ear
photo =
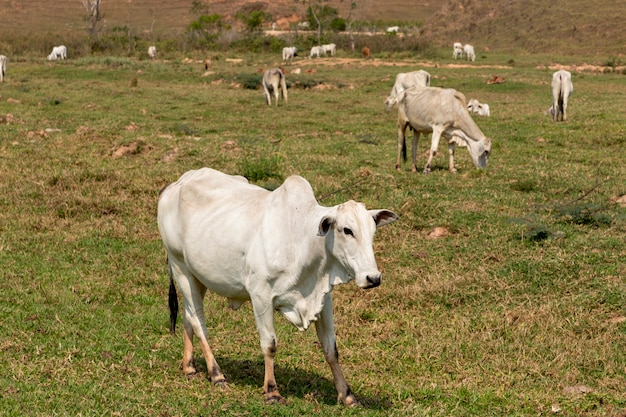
<point>325,225</point>
<point>383,217</point>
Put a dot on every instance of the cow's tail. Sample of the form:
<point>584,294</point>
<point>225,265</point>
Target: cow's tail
<point>404,149</point>
<point>283,86</point>
<point>172,301</point>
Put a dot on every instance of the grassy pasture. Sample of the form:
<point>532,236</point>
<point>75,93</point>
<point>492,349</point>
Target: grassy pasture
<point>524,299</point>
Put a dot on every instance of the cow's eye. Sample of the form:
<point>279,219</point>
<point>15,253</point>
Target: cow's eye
<point>348,231</point>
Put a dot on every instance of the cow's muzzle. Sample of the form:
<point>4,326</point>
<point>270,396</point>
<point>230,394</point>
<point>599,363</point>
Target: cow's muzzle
<point>372,281</point>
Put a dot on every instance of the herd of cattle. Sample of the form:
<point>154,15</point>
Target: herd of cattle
<point>280,249</point>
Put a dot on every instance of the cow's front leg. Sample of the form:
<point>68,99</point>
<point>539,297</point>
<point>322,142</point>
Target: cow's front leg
<point>451,154</point>
<point>264,315</point>
<point>325,328</point>
<point>437,131</point>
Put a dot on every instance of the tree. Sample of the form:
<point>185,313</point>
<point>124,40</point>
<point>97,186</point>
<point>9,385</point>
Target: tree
<point>253,15</point>
<point>93,13</point>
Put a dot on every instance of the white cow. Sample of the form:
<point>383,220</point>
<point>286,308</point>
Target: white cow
<point>274,81</point>
<point>152,51</point>
<point>406,80</point>
<point>278,249</point>
<point>329,48</point>
<point>444,113</point>
<point>58,52</point>
<point>3,67</point>
<point>474,106</point>
<point>469,52</point>
<point>289,52</point>
<point>393,29</point>
<point>562,88</point>
<point>317,50</point>
<point>457,51</point>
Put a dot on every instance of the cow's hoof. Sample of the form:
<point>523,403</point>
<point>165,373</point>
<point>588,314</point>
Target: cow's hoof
<point>221,384</point>
<point>426,171</point>
<point>274,399</point>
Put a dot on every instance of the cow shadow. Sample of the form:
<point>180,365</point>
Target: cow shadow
<point>292,382</point>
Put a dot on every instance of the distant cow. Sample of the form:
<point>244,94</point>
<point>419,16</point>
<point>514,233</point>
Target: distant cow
<point>289,52</point>
<point>279,249</point>
<point>317,50</point>
<point>562,88</point>
<point>469,52</point>
<point>444,113</point>
<point>152,51</point>
<point>58,52</point>
<point>207,63</point>
<point>3,67</point>
<point>274,81</point>
<point>481,109</point>
<point>330,49</point>
<point>406,80</point>
<point>366,52</point>
<point>457,50</point>
<point>393,29</point>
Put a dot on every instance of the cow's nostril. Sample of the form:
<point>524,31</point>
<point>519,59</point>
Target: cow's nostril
<point>373,281</point>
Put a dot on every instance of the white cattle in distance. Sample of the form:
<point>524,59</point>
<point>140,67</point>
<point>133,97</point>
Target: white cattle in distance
<point>58,52</point>
<point>457,50</point>
<point>444,113</point>
<point>3,67</point>
<point>289,52</point>
<point>469,52</point>
<point>481,109</point>
<point>393,29</point>
<point>317,50</point>
<point>330,49</point>
<point>562,89</point>
<point>279,249</point>
<point>274,81</point>
<point>152,51</point>
<point>406,80</point>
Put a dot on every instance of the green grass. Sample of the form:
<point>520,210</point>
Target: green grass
<point>486,321</point>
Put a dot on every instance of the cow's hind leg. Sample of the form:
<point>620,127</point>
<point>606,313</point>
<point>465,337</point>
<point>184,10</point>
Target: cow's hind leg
<point>325,329</point>
<point>195,324</point>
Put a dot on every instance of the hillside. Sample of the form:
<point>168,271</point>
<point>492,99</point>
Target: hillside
<point>565,27</point>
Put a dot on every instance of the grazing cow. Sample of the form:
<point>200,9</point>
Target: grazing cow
<point>3,67</point>
<point>317,50</point>
<point>474,106</point>
<point>274,81</point>
<point>469,52</point>
<point>393,29</point>
<point>366,52</point>
<point>444,113</point>
<point>562,88</point>
<point>457,51</point>
<point>152,51</point>
<point>58,52</point>
<point>406,80</point>
<point>330,48</point>
<point>289,53</point>
<point>278,249</point>
<point>207,63</point>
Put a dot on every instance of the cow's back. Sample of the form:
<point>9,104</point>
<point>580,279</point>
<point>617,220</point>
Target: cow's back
<point>202,206</point>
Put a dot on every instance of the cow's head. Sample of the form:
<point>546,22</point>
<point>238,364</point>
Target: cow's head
<point>349,232</point>
<point>479,151</point>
